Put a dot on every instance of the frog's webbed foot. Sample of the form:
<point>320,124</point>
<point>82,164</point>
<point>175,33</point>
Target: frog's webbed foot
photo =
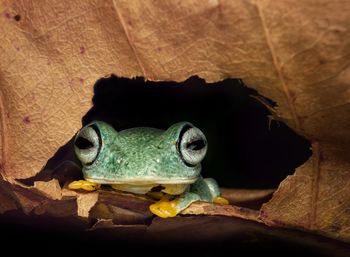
<point>83,184</point>
<point>165,208</point>
<point>169,207</point>
<point>221,200</point>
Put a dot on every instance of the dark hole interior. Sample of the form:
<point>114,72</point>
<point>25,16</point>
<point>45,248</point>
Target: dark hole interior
<point>245,148</point>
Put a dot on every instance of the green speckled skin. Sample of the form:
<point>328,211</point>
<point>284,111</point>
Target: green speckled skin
<point>202,190</point>
<point>140,156</point>
<point>148,157</point>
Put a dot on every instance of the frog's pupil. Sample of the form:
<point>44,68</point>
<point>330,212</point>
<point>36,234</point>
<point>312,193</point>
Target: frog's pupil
<point>196,145</point>
<point>83,143</point>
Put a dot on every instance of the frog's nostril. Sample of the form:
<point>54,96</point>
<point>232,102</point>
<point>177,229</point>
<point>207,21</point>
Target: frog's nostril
<point>83,143</point>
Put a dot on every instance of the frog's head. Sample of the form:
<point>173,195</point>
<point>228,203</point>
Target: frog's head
<point>141,155</point>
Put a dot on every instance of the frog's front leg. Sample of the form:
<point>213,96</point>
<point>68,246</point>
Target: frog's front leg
<point>208,190</point>
<point>202,190</point>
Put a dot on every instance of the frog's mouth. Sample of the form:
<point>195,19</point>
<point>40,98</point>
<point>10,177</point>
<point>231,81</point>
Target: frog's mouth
<point>143,180</point>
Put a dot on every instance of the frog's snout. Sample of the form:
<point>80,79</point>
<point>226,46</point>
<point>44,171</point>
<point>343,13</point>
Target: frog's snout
<point>87,144</point>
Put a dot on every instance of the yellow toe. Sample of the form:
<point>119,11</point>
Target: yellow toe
<point>75,184</point>
<point>83,184</point>
<point>221,200</point>
<point>164,208</point>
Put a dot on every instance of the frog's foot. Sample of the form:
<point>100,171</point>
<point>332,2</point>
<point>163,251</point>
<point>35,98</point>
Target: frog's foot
<point>165,208</point>
<point>221,200</point>
<point>83,184</point>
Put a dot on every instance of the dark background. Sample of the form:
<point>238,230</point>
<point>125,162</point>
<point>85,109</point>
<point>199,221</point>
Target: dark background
<point>245,150</point>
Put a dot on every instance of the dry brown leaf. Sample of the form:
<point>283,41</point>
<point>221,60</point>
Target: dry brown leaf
<point>50,189</point>
<point>202,208</point>
<point>295,53</point>
<point>250,198</point>
<point>7,196</point>
<point>320,204</point>
<point>85,202</point>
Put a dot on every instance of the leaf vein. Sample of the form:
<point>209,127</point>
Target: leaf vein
<point>278,69</point>
<point>142,68</point>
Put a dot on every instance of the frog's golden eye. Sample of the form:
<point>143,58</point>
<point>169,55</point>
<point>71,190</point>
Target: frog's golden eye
<point>87,144</point>
<point>192,145</point>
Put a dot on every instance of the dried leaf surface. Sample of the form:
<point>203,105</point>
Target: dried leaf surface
<point>318,203</point>
<point>7,196</point>
<point>50,189</point>
<point>295,53</point>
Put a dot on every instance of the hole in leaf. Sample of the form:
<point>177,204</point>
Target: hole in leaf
<point>246,149</point>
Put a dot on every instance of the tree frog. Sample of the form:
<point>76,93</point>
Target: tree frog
<point>143,160</point>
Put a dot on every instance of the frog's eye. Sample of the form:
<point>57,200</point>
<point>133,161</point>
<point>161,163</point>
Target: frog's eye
<point>192,145</point>
<point>87,144</point>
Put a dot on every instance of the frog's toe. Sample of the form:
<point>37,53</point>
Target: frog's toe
<point>165,208</point>
<point>83,184</point>
<point>221,200</point>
